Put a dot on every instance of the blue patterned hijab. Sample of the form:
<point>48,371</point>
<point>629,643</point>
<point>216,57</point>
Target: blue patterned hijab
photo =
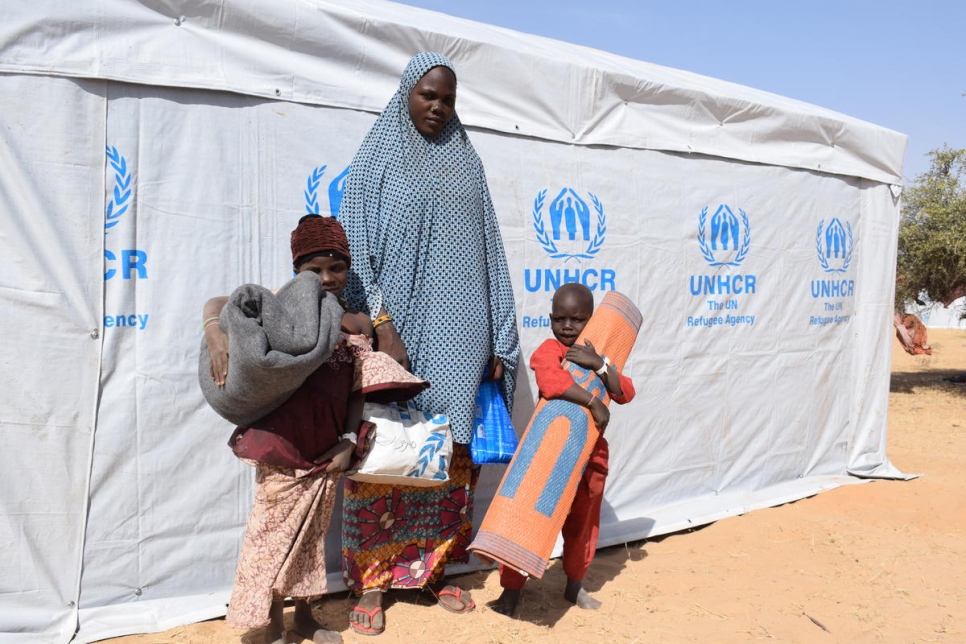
<point>426,247</point>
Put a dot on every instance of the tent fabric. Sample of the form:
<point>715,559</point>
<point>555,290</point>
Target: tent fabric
<point>154,159</point>
<point>573,94</point>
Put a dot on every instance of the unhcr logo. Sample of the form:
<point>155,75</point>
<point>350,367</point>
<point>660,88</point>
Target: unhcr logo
<point>724,241</point>
<point>573,230</point>
<point>833,245</point>
<point>336,190</point>
<point>123,263</point>
<point>727,241</point>
<point>570,231</point>
<point>127,263</point>
<point>117,203</point>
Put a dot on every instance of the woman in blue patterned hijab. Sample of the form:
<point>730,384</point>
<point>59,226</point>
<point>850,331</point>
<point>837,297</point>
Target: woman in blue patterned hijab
<point>430,268</point>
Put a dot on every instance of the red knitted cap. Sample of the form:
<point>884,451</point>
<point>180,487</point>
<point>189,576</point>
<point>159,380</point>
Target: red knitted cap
<point>316,234</point>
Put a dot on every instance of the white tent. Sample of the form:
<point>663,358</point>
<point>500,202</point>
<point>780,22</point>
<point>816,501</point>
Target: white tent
<point>157,153</point>
<point>936,316</point>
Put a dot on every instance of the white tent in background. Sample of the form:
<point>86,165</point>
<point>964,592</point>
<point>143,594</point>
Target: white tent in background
<point>157,153</point>
<point>936,316</point>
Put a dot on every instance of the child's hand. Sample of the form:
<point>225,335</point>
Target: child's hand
<point>357,323</point>
<point>340,455</point>
<point>600,413</point>
<point>217,341</point>
<point>585,356</point>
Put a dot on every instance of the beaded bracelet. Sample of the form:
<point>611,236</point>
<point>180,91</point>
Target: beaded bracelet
<point>204,325</point>
<point>382,319</point>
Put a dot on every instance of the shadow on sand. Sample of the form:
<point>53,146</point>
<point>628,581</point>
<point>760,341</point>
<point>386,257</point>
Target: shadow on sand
<point>910,382</point>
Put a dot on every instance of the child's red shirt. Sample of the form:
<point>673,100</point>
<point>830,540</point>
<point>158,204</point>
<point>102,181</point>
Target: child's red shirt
<point>553,380</point>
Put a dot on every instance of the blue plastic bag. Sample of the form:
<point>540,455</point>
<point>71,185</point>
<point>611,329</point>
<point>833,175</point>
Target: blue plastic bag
<point>494,439</point>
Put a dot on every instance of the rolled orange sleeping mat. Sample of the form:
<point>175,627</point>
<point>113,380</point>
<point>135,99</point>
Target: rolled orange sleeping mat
<point>521,525</point>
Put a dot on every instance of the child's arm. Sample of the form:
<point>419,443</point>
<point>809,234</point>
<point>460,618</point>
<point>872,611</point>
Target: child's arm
<point>357,323</point>
<point>555,382</point>
<point>580,396</point>
<point>341,453</point>
<point>620,388</point>
<point>216,339</point>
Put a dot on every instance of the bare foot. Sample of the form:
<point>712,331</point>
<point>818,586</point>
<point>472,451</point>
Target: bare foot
<point>307,626</point>
<point>506,603</point>
<point>367,617</point>
<point>275,631</point>
<point>575,594</point>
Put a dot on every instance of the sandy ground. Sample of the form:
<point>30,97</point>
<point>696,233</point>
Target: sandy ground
<point>879,562</point>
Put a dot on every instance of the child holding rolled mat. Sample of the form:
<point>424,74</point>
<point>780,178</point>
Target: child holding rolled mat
<point>572,306</point>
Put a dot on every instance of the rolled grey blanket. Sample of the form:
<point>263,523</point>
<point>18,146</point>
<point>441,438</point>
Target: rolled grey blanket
<point>275,341</point>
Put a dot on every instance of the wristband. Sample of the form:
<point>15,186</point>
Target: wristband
<point>204,325</point>
<point>604,367</point>
<point>590,403</point>
<point>352,437</point>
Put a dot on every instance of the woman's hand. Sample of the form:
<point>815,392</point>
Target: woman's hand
<point>217,341</point>
<point>600,413</point>
<point>494,369</point>
<point>585,356</point>
<point>340,455</point>
<point>388,341</point>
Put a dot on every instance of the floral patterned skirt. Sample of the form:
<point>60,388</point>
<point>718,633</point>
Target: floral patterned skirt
<point>402,537</point>
<point>283,554</point>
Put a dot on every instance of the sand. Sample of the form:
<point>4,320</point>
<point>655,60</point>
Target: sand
<point>878,562</point>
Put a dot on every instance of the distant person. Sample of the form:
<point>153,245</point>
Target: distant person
<point>912,334</point>
<point>572,307</point>
<point>432,272</point>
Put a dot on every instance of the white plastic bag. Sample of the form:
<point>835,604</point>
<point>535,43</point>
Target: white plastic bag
<point>407,447</point>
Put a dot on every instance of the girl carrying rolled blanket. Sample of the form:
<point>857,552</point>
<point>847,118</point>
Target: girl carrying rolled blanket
<point>304,335</point>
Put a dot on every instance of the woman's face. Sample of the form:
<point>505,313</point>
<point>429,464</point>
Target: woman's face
<point>333,271</point>
<point>433,101</point>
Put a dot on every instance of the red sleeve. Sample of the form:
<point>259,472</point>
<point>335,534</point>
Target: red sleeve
<point>552,379</point>
<point>627,389</point>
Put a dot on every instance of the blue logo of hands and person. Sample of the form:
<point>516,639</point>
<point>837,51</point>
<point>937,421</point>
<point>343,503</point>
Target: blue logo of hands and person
<point>727,241</point>
<point>834,244</point>
<point>573,233</point>
<point>573,230</point>
<point>336,189</point>
<point>570,207</point>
